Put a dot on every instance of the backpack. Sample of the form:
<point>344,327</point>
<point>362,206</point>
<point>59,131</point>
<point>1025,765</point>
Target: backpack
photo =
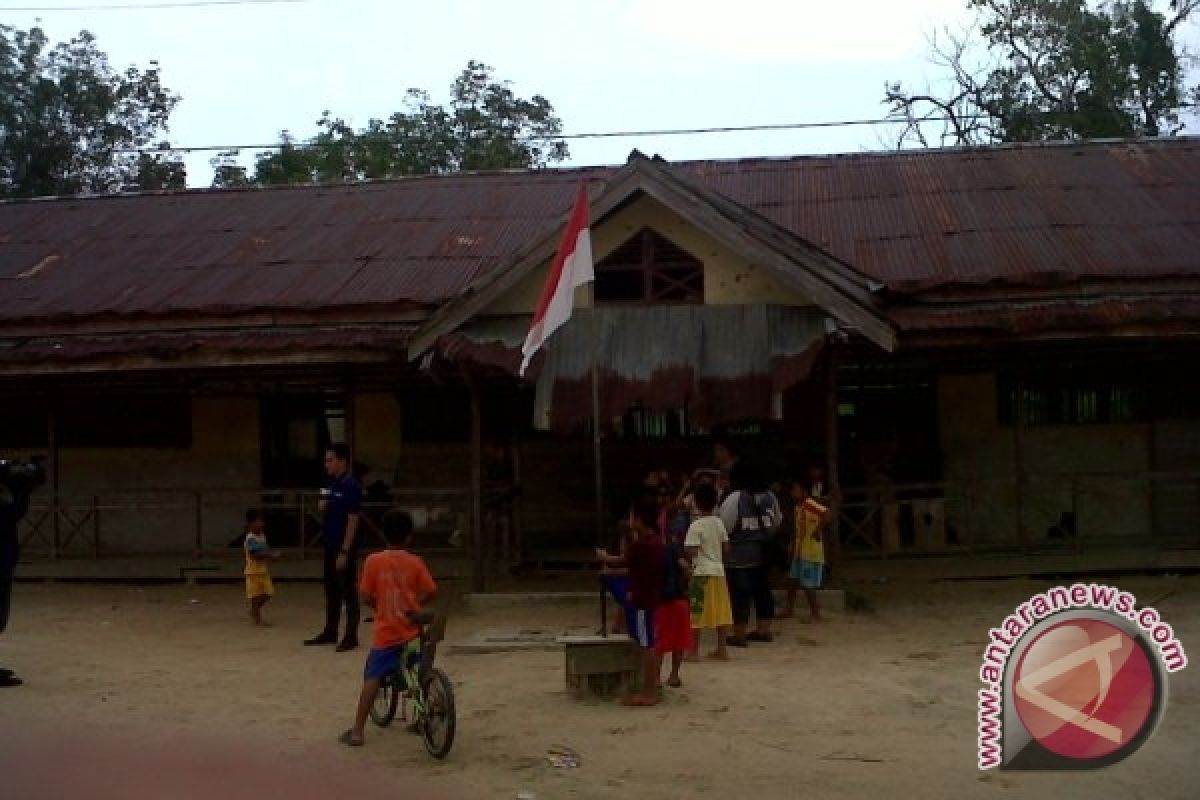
<point>752,545</point>
<point>675,582</point>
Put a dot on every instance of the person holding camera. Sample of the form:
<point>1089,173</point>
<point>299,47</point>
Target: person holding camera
<point>17,482</point>
<point>341,506</point>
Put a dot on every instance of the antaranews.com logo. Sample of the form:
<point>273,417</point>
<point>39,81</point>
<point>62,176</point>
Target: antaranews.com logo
<point>1074,678</point>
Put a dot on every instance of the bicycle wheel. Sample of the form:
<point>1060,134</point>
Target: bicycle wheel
<point>383,709</point>
<point>437,725</point>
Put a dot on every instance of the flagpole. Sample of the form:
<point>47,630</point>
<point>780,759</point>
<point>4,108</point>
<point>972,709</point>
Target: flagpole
<point>597,455</point>
<point>572,268</point>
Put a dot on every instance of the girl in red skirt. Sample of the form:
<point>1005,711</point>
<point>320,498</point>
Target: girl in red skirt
<point>673,618</point>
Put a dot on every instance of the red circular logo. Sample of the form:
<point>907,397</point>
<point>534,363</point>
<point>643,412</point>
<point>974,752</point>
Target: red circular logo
<point>1084,689</point>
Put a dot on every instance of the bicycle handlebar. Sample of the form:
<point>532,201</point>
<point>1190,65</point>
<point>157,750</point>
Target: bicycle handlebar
<point>422,617</point>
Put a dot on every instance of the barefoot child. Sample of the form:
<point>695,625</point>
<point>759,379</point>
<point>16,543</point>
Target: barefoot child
<point>672,618</point>
<point>616,582</point>
<point>259,588</point>
<point>394,583</point>
<point>808,549</point>
<point>707,545</point>
<point>644,557</point>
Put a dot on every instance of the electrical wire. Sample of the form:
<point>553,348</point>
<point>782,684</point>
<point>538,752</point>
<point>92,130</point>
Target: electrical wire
<point>150,6</point>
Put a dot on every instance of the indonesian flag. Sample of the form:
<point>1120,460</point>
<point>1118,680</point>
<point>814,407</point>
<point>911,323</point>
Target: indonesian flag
<point>572,267</point>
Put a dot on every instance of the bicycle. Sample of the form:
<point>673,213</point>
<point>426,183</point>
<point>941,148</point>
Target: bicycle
<point>420,689</point>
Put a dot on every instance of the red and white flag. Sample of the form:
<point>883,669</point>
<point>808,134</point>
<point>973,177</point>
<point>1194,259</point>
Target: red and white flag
<point>572,267</point>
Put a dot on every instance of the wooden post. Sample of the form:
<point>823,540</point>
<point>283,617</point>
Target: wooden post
<point>518,500</point>
<point>52,450</point>
<point>350,422</point>
<point>598,456</point>
<point>1075,515</point>
<point>96,525</point>
<point>199,525</point>
<point>478,577</point>
<point>832,454</point>
<point>302,513</point>
<point>1018,425</point>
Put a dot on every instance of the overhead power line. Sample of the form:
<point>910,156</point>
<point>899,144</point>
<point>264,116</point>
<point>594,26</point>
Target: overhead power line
<point>782,126</point>
<point>152,5</point>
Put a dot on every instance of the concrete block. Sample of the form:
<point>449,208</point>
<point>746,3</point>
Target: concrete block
<point>600,665</point>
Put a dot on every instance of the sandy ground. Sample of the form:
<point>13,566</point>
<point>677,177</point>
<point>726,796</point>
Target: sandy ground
<point>866,705</point>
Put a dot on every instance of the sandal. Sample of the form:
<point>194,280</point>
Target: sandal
<point>760,637</point>
<point>347,738</point>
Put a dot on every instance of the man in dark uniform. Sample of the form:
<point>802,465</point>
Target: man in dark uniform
<point>341,507</point>
<point>17,482</point>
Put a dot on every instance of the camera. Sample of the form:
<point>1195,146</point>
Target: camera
<point>32,469</point>
<point>31,472</point>
<point>18,479</point>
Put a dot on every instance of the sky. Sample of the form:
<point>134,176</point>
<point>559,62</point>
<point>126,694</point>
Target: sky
<point>245,72</point>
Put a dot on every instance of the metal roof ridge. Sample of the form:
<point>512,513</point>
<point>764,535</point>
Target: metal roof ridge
<point>574,171</point>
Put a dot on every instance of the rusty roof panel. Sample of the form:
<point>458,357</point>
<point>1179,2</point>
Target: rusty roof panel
<point>215,345</point>
<point>914,220</point>
<point>723,363</point>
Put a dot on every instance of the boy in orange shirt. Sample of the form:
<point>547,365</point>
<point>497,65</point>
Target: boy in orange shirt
<point>394,584</point>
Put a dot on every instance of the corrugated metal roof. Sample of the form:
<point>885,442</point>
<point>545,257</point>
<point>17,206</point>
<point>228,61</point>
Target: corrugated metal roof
<point>167,346</point>
<point>913,220</point>
<point>1022,215</point>
<point>722,363</point>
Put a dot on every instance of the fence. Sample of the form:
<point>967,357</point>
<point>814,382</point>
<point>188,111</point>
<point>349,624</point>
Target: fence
<point>975,515</point>
<point>170,522</point>
<point>1041,511</point>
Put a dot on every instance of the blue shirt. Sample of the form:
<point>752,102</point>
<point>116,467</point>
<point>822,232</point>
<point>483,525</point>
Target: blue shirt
<point>345,498</point>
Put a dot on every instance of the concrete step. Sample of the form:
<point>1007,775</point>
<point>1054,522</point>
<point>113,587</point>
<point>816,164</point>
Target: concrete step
<point>830,599</point>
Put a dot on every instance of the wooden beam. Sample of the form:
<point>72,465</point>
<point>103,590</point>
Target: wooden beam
<point>478,564</point>
<point>209,360</point>
<point>52,452</point>
<point>190,321</point>
<point>832,452</point>
<point>1018,426</point>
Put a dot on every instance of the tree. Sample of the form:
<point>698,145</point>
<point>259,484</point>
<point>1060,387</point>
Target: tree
<point>1054,70</point>
<point>485,126</point>
<point>227,172</point>
<point>70,124</point>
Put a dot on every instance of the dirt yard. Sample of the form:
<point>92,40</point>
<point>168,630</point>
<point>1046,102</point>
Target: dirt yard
<point>128,684</point>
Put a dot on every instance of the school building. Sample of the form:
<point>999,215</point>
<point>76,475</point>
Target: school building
<point>987,349</point>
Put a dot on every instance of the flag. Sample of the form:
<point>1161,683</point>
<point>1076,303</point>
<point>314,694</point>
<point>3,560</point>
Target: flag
<point>571,268</point>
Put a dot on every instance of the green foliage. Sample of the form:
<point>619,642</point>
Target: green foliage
<point>485,126</point>
<point>1055,70</point>
<point>227,173</point>
<point>71,124</point>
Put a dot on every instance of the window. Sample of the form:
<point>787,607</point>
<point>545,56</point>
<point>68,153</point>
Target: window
<point>649,269</point>
<point>641,423</point>
<point>157,421</point>
<point>110,421</point>
<point>296,429</point>
<point>23,424</point>
<point>1073,399</point>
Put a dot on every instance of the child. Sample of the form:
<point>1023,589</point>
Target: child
<point>644,557</point>
<point>616,582</point>
<point>672,618</point>
<point>808,549</point>
<point>259,588</point>
<point>707,546</point>
<point>394,584</point>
